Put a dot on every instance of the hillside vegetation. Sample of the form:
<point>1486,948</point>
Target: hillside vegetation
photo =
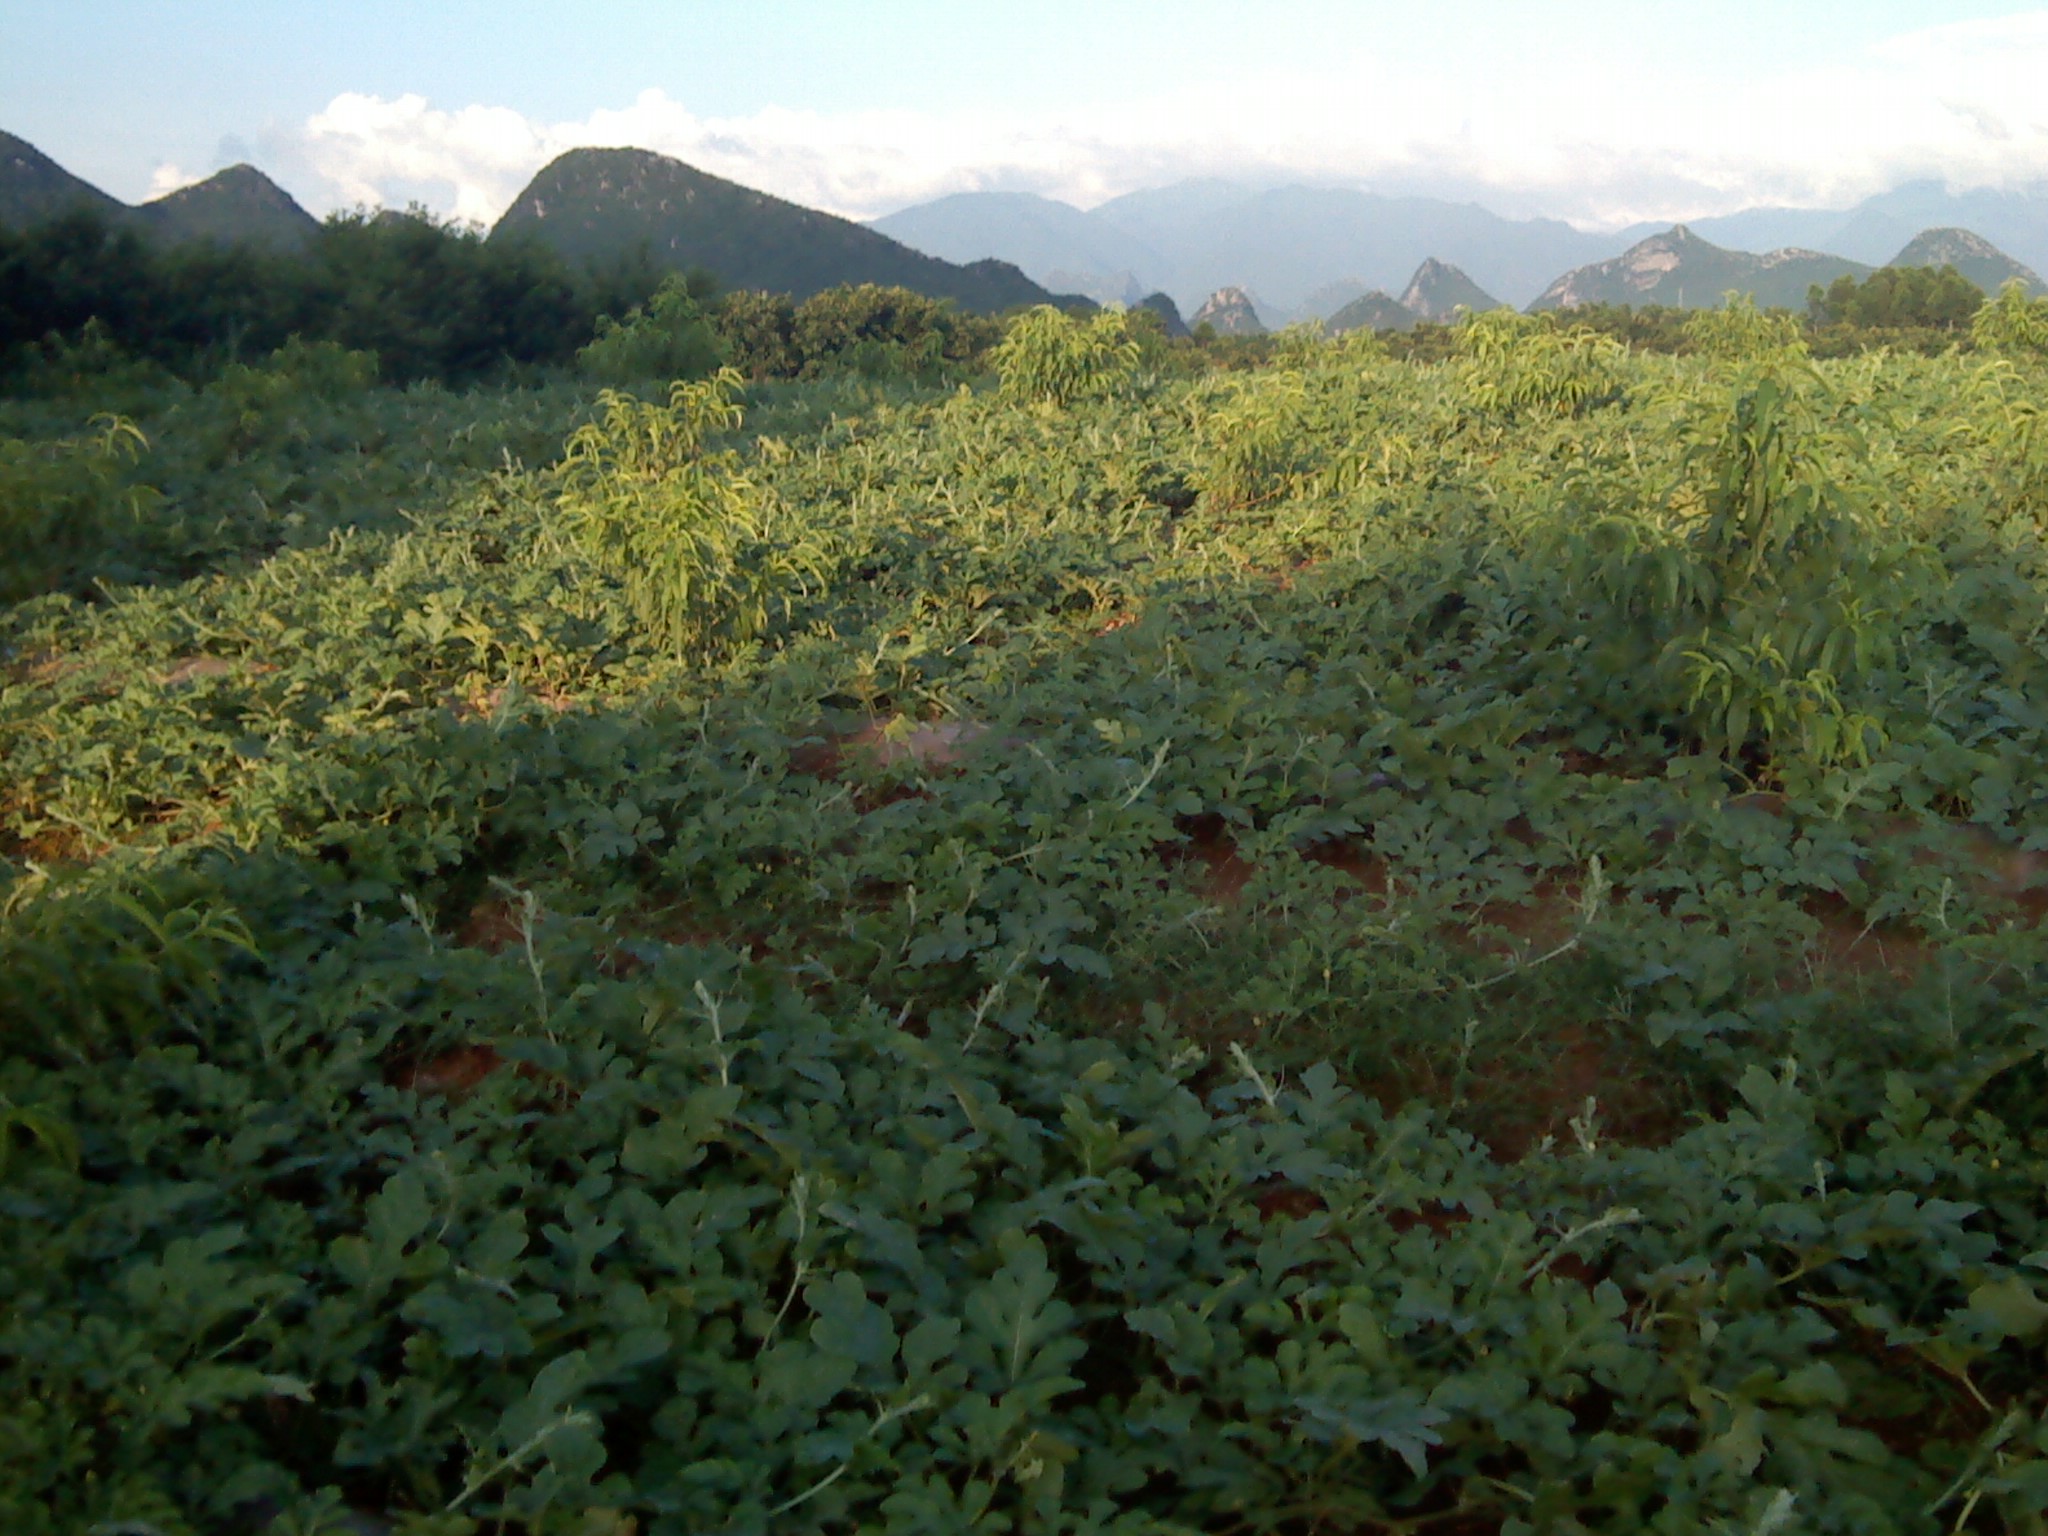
<point>598,204</point>
<point>1110,947</point>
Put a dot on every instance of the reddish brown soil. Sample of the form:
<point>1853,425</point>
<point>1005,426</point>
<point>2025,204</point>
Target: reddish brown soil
<point>481,703</point>
<point>493,926</point>
<point>454,1072</point>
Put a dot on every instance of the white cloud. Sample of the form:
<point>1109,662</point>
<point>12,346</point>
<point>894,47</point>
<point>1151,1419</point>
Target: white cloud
<point>1960,103</point>
<point>168,178</point>
<point>470,163</point>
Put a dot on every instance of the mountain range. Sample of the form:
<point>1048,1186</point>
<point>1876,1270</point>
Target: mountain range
<point>1678,265</point>
<point>1437,292</point>
<point>1304,253</point>
<point>2014,221</point>
<point>588,203</point>
<point>237,205</point>
<point>1282,244</point>
<point>1248,258</point>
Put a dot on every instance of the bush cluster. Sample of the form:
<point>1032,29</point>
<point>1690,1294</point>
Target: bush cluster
<point>432,300</point>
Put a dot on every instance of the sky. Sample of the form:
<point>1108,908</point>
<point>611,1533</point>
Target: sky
<point>1600,112</point>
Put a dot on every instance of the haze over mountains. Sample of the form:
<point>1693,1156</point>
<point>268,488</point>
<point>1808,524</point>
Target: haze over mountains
<point>1244,258</point>
<point>1303,252</point>
<point>1281,244</point>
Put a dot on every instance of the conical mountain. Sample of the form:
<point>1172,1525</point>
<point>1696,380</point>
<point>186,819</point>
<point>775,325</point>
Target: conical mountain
<point>1374,311</point>
<point>239,205</point>
<point>1168,312</point>
<point>600,203</point>
<point>33,187</point>
<point>1230,312</point>
<point>1679,269</point>
<point>1970,254</point>
<point>1327,300</point>
<point>1439,290</point>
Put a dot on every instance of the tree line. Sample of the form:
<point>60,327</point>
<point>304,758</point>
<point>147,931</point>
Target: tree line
<point>436,300</point>
<point>1916,309</point>
<point>430,299</point>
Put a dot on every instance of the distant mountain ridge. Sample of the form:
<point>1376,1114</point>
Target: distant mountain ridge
<point>1057,245</point>
<point>33,187</point>
<point>1308,252</point>
<point>1970,254</point>
<point>239,204</point>
<point>1438,293</point>
<point>1291,252</point>
<point>1679,269</point>
<point>588,203</point>
<point>1297,247</point>
<point>2015,221</point>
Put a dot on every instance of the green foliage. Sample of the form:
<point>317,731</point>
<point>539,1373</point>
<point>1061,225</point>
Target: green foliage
<point>1208,970</point>
<point>1939,298</point>
<point>1516,364</point>
<point>1740,332</point>
<point>641,489</point>
<point>1253,444</point>
<point>758,333</point>
<point>278,451</point>
<point>880,332</point>
<point>1050,358</point>
<point>432,300</point>
<point>297,377</point>
<point>859,331</point>
<point>1741,688</point>
<point>671,338</point>
<point>435,300</point>
<point>62,500</point>
<point>2012,323</point>
<point>1765,600</point>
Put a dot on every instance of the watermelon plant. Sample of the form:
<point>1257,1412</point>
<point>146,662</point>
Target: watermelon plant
<point>1352,945</point>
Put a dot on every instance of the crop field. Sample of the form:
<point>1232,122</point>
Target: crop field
<point>1348,946</point>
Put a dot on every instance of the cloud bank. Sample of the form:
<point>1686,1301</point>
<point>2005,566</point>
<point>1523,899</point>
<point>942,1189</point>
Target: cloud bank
<point>1959,103</point>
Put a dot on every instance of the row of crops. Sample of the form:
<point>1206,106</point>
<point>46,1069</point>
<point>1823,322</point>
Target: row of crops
<point>1350,947</point>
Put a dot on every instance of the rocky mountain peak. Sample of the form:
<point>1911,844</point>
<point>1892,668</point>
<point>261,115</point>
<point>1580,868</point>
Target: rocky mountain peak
<point>1230,312</point>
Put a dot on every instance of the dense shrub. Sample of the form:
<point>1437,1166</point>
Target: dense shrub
<point>670,338</point>
<point>674,520</point>
<point>1051,358</point>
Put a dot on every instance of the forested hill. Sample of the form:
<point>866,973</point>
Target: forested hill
<point>236,206</point>
<point>601,203</point>
<point>239,205</point>
<point>1970,254</point>
<point>33,187</point>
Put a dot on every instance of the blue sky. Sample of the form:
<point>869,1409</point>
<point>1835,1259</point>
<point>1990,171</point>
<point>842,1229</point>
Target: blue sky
<point>1601,112</point>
